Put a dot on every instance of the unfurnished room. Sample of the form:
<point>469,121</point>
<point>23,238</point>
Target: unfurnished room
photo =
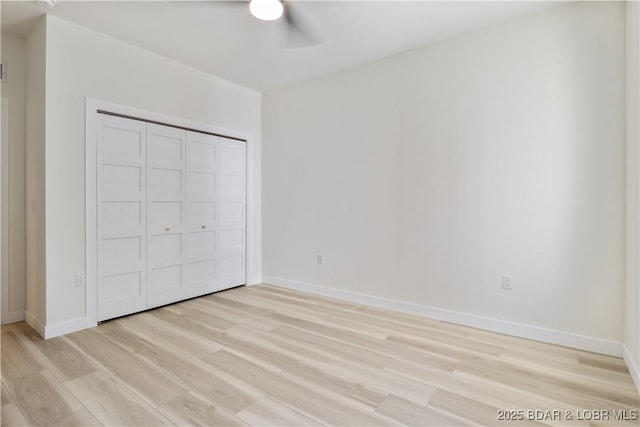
<point>320,213</point>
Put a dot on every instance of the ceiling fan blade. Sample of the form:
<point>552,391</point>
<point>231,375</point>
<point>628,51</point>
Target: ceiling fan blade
<point>296,36</point>
<point>215,3</point>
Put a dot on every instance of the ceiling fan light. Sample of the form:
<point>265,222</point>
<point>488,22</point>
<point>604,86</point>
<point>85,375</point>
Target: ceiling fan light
<point>267,10</point>
<point>48,3</point>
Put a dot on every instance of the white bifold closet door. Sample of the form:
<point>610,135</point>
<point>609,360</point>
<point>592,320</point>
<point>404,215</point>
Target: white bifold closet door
<point>166,214</point>
<point>232,213</point>
<point>122,216</point>
<point>171,214</point>
<point>203,215</point>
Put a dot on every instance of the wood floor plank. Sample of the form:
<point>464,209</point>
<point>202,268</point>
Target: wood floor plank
<point>592,376</point>
<point>5,396</point>
<point>422,332</point>
<point>208,319</point>
<point>57,355</point>
<point>223,298</point>
<point>153,385</point>
<point>397,316</point>
<point>525,346</point>
<point>307,375</point>
<point>601,361</point>
<point>328,411</point>
<point>213,306</point>
<point>459,352</point>
<point>357,395</point>
<point>153,329</point>
<point>396,350</point>
<point>539,349</point>
<point>113,404</point>
<point>193,410</point>
<point>43,400</point>
<point>191,375</point>
<point>474,412</point>
<point>80,418</point>
<point>268,412</point>
<point>306,315</point>
<point>198,331</point>
<point>564,388</point>
<point>409,414</point>
<point>10,415</point>
<point>17,361</point>
<point>300,296</point>
<point>308,352</point>
<point>339,348</point>
<point>283,302</point>
<point>454,334</point>
<point>499,395</point>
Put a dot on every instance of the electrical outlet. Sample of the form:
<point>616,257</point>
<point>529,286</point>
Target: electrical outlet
<point>3,71</point>
<point>320,258</point>
<point>80,279</point>
<point>507,282</point>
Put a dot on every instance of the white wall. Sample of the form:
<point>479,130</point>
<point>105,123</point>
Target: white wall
<point>425,177</point>
<point>83,63</point>
<point>13,177</point>
<point>35,185</point>
<point>632,296</point>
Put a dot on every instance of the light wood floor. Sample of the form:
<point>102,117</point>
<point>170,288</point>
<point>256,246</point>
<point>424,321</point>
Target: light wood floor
<point>269,356</point>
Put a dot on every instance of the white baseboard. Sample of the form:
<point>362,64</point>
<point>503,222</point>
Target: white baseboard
<point>65,327</point>
<point>551,336</point>
<point>55,329</point>
<point>34,322</point>
<point>12,317</point>
<point>632,366</point>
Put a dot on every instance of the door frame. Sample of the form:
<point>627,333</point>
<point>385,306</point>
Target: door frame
<point>4,237</point>
<point>92,106</point>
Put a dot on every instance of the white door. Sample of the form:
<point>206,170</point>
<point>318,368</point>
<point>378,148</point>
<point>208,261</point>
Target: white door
<point>232,221</point>
<point>166,223</point>
<point>202,211</point>
<point>121,216</point>
<point>170,217</point>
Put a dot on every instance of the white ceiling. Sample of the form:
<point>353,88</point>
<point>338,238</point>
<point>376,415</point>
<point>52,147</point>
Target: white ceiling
<point>223,39</point>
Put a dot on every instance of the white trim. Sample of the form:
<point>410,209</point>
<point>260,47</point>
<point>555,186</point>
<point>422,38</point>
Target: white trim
<point>253,276</point>
<point>91,220</point>
<point>91,107</point>
<point>551,336</point>
<point>65,327</point>
<point>34,322</point>
<point>12,316</point>
<point>4,219</point>
<point>631,365</point>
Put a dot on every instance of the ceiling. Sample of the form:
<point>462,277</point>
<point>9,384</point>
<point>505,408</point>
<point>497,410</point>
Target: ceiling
<point>223,39</point>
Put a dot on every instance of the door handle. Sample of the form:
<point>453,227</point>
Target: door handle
<point>167,229</point>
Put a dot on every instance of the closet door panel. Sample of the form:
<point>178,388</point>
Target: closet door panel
<point>121,216</point>
<point>202,208</point>
<point>171,214</point>
<point>166,204</point>
<point>232,213</point>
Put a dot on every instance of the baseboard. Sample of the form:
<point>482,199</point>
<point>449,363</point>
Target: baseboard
<point>12,317</point>
<point>65,327</point>
<point>551,336</point>
<point>632,366</point>
<point>34,322</point>
<point>55,329</point>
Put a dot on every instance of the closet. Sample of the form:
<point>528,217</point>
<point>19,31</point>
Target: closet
<point>171,209</point>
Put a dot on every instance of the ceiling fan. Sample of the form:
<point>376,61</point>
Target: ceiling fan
<point>267,10</point>
<point>271,10</point>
